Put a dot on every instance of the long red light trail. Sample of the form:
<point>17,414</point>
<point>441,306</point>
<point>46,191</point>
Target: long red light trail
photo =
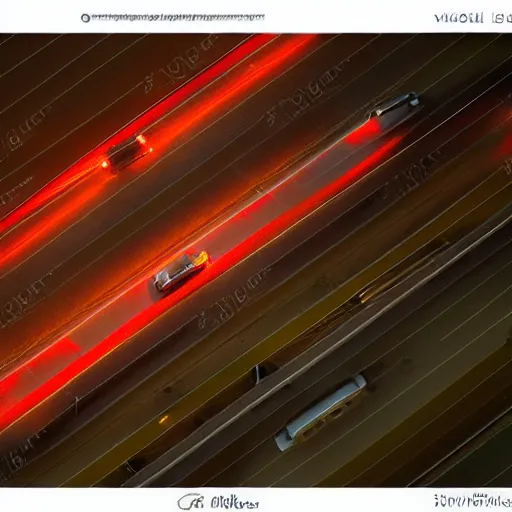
<point>262,67</point>
<point>364,132</point>
<point>48,224</point>
<point>37,397</point>
<point>59,354</point>
<point>87,164</point>
<point>248,78</point>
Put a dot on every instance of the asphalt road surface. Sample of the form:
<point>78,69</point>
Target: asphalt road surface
<point>93,273</point>
<point>409,357</point>
<point>482,461</point>
<point>365,89</point>
<point>441,450</point>
<point>93,186</point>
<point>187,378</point>
<point>87,185</point>
<point>65,94</point>
<point>149,196</point>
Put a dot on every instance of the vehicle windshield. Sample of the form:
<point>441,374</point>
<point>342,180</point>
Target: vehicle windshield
<point>162,275</point>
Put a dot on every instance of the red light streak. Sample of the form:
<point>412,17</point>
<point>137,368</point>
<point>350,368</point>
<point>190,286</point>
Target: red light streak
<point>44,196</point>
<point>13,413</point>
<point>363,133</point>
<point>359,136</point>
<point>350,176</point>
<point>230,60</point>
<point>265,65</point>
<point>262,67</point>
<point>238,85</point>
<point>315,200</point>
<point>49,223</point>
<point>87,164</point>
<point>59,354</point>
<point>505,148</point>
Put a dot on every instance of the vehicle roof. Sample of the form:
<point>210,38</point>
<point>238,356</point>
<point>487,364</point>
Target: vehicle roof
<point>283,440</point>
<point>122,145</point>
<point>177,263</point>
<point>386,105</point>
<point>321,407</point>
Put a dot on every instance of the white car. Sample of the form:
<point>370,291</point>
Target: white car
<point>185,266</point>
<point>313,419</point>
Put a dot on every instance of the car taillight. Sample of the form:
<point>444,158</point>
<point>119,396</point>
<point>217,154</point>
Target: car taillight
<point>141,140</point>
<point>104,164</point>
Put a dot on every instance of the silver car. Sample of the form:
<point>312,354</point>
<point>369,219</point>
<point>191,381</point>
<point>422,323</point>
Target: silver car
<point>313,419</point>
<point>185,266</point>
<point>386,107</point>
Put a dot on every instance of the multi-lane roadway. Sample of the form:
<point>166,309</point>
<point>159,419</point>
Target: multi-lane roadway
<point>136,225</point>
<point>65,94</point>
<point>271,292</point>
<point>426,361</point>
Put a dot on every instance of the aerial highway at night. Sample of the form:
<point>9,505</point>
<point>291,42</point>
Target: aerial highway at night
<point>182,246</point>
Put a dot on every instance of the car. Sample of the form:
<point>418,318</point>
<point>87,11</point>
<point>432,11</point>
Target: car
<point>126,153</point>
<point>187,265</point>
<point>386,107</point>
<point>314,418</point>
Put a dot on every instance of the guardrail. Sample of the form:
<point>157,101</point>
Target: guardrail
<point>323,349</point>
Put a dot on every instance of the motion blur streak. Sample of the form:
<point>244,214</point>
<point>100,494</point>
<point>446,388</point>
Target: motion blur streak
<point>206,78</point>
<point>87,164</point>
<point>59,355</point>
<point>273,229</point>
<point>45,195</point>
<point>50,222</point>
<point>349,177</point>
<point>263,236</point>
<point>252,74</point>
<point>364,132</point>
<point>186,121</point>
